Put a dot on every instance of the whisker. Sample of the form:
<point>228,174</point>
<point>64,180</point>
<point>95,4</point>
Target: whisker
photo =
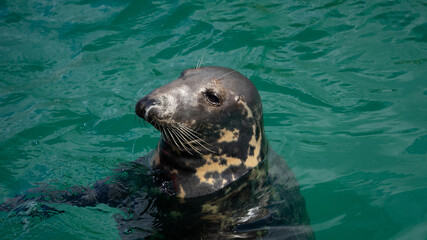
<point>162,130</point>
<point>189,130</point>
<point>183,137</point>
<point>179,138</point>
<point>194,134</point>
<point>190,138</point>
<point>189,142</point>
<point>199,63</point>
<point>171,135</point>
<point>195,138</point>
<point>226,74</point>
<point>151,122</point>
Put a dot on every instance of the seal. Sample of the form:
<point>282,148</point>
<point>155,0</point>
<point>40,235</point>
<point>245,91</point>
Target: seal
<point>211,125</point>
<point>212,175</point>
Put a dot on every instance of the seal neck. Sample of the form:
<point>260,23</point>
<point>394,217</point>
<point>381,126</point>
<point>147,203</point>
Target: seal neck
<point>201,174</point>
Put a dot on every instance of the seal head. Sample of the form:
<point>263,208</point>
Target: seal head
<point>210,119</point>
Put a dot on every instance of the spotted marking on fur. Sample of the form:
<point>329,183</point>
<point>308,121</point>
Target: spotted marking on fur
<point>181,192</point>
<point>213,166</point>
<point>248,110</point>
<point>229,136</point>
<point>254,159</point>
<point>208,208</point>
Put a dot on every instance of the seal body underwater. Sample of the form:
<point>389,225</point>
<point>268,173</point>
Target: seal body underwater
<point>211,176</point>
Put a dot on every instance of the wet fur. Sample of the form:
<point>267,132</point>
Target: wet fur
<point>258,197</point>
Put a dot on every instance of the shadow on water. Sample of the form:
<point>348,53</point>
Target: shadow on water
<point>265,203</point>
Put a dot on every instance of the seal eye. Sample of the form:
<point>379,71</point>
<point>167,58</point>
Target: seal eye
<point>212,98</point>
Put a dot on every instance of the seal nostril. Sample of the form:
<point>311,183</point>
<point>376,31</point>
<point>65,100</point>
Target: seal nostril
<point>139,107</point>
<point>143,107</point>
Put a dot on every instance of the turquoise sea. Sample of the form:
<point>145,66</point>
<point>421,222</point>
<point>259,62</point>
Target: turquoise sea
<point>343,85</point>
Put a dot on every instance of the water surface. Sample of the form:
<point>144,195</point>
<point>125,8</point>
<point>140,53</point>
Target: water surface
<point>343,85</point>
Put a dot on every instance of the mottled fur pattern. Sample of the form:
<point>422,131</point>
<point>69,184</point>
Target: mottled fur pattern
<point>212,174</point>
<point>212,131</point>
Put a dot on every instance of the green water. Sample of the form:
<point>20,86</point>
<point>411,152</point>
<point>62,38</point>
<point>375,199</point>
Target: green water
<point>343,85</point>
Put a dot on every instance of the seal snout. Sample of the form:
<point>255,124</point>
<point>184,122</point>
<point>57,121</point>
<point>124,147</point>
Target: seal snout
<point>145,108</point>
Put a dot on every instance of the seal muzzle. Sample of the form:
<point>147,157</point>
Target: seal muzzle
<point>145,108</point>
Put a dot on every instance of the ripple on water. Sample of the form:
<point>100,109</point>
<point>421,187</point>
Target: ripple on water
<point>342,84</point>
